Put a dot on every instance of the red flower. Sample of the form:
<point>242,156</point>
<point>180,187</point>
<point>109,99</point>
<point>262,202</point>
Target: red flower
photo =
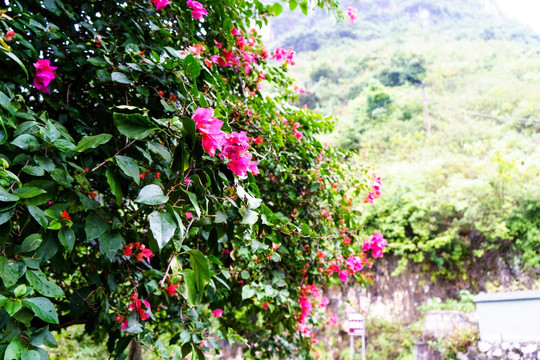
<point>65,215</point>
<point>157,174</point>
<point>265,306</point>
<point>217,313</point>
<point>171,289</point>
<point>9,35</point>
<point>127,251</point>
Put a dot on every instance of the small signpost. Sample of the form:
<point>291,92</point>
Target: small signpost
<point>355,324</point>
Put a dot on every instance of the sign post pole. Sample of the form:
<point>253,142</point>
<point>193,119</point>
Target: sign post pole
<point>352,346</point>
<point>356,328</point>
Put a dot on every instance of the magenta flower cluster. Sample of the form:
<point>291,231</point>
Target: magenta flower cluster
<point>376,244</point>
<point>233,146</point>
<point>160,4</point>
<point>284,56</point>
<point>44,75</point>
<point>197,9</point>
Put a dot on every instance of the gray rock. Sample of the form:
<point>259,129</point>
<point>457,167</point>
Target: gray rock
<point>484,346</point>
<point>461,356</point>
<point>506,345</point>
<point>513,356</point>
<point>497,353</point>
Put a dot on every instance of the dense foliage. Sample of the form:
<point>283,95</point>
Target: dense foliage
<point>158,186</point>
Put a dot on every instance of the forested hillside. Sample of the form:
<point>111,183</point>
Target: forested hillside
<point>445,98</point>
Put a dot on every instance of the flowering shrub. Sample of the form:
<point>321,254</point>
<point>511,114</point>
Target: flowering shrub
<point>152,191</point>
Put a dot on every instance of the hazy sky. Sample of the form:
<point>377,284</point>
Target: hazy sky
<point>526,11</point>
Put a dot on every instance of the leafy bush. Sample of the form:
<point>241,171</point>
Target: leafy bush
<point>131,196</point>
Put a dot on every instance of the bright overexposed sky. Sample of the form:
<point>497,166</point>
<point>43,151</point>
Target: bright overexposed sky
<point>526,11</point>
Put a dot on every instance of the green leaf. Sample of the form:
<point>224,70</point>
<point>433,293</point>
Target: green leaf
<point>134,126</point>
<point>129,167</point>
<point>9,271</point>
<point>110,242</point>
<point>3,300</point>
<point>92,142</point>
<point>5,196</point>
<point>195,203</point>
<point>39,281</point>
<point>28,354</point>
<point>160,150</point>
<point>31,243</point>
<point>277,9</point>
<point>151,195</point>
<point>44,162</point>
<point>38,215</point>
<point>95,226</point>
<point>67,238</point>
<point>14,57</point>
<point>221,217</point>
<point>14,349</point>
<point>189,287</point>
<point>199,264</point>
<point>292,4</point>
<point>62,177</point>
<point>28,191</point>
<point>43,308</point>
<point>120,78</point>
<point>26,142</point>
<point>6,103</point>
<point>163,226</point>
<point>114,185</point>
<point>250,217</point>
<point>19,290</point>
<point>134,327</point>
<point>304,7</point>
<point>13,307</point>
<point>6,215</point>
<point>33,170</point>
<point>227,26</point>
<point>97,61</point>
<point>191,66</point>
<point>247,292</point>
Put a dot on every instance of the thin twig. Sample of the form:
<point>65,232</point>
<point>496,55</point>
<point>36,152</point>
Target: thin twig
<point>115,155</point>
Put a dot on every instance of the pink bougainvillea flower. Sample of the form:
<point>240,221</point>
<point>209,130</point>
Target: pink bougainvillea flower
<point>197,9</point>
<point>343,275</point>
<point>238,165</point>
<point>325,301</point>
<point>44,75</point>
<point>354,263</point>
<point>217,313</point>
<point>353,14</point>
<point>258,140</point>
<point>124,325</point>
<point>160,4</point>
<point>332,320</point>
<point>376,244</point>
<point>188,215</point>
<point>9,35</point>
<point>265,306</point>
